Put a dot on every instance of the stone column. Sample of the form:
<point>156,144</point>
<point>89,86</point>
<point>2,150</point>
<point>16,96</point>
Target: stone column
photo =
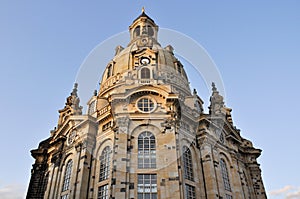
<point>210,177</point>
<point>120,175</point>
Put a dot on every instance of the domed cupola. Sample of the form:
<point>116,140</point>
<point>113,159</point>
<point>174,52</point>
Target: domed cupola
<point>144,62</point>
<point>143,31</point>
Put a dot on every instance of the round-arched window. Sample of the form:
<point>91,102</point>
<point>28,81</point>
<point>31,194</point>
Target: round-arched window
<point>150,31</point>
<point>145,73</point>
<point>137,31</point>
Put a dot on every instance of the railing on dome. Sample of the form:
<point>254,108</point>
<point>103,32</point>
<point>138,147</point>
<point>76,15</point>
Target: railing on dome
<point>145,81</point>
<point>104,110</point>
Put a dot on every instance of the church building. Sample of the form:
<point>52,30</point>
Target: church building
<point>145,135</point>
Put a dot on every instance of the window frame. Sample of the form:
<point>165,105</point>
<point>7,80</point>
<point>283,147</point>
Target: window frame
<point>146,150</point>
<point>104,160</point>
<point>67,176</point>
<point>109,71</point>
<point>103,192</point>
<point>146,104</point>
<point>146,186</point>
<point>190,191</point>
<point>187,160</point>
<point>145,73</point>
<point>225,175</point>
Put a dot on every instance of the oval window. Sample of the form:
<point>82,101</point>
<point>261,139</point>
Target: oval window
<point>145,105</point>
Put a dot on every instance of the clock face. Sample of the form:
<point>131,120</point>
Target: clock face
<point>220,135</point>
<point>145,61</point>
<point>222,138</point>
<point>71,137</point>
<point>144,41</point>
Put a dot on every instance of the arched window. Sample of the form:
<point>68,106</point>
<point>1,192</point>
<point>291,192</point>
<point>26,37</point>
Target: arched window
<point>67,176</point>
<point>145,73</point>
<point>137,31</point>
<point>104,163</point>
<point>150,31</point>
<point>225,176</point>
<point>146,150</point>
<point>187,163</point>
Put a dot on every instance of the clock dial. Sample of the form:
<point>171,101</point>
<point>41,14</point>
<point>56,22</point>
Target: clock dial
<point>145,61</point>
<point>71,137</point>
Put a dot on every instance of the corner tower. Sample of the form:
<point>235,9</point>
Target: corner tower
<point>145,135</point>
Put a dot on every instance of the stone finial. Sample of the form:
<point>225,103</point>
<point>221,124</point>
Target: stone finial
<point>73,101</point>
<point>143,9</point>
<point>74,92</point>
<point>118,49</point>
<point>214,89</point>
<point>216,101</point>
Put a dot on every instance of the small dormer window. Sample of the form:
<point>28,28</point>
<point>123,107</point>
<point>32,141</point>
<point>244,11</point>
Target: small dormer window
<point>109,68</point>
<point>179,67</point>
<point>145,73</point>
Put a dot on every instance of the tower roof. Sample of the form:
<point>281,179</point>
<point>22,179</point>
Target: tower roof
<point>143,15</point>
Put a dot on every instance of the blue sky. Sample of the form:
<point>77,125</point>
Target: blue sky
<point>255,45</point>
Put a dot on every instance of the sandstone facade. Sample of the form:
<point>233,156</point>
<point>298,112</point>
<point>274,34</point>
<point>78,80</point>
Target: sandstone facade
<point>145,135</point>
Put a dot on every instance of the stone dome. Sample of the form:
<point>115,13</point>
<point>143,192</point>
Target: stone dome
<point>144,60</point>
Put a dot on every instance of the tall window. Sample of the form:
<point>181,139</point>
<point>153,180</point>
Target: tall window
<point>145,73</point>
<point>137,31</point>
<point>67,177</point>
<point>103,192</point>
<point>147,186</point>
<point>187,163</point>
<point>146,150</point>
<point>104,163</point>
<point>150,31</point>
<point>190,192</point>
<point>225,176</point>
